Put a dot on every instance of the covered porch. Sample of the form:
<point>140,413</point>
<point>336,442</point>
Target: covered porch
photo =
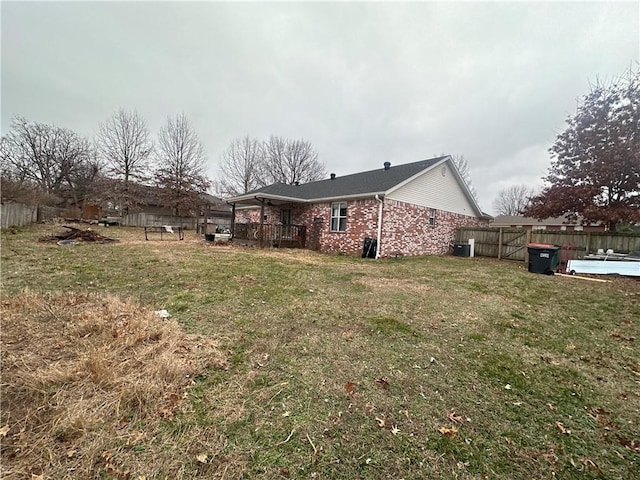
<point>271,235</point>
<point>266,221</point>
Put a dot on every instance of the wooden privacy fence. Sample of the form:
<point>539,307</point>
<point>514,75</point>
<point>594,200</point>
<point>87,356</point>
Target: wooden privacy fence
<point>511,243</point>
<point>142,219</point>
<point>18,215</point>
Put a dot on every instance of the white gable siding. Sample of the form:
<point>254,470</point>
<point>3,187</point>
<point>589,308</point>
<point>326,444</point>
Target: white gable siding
<point>435,190</point>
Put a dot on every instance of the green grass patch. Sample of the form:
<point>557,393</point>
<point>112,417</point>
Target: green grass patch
<point>341,368</point>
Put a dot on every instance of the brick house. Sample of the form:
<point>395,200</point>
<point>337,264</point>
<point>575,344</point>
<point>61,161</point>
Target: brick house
<point>410,209</point>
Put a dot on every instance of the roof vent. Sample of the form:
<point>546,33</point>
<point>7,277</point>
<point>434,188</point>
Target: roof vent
<point>333,176</point>
<point>387,165</point>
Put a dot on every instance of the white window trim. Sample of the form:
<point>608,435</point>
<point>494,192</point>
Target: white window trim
<point>339,204</point>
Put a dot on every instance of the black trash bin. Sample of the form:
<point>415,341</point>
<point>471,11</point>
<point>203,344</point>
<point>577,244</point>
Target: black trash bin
<point>369,247</point>
<point>210,237</point>
<point>543,258</point>
<point>461,250</point>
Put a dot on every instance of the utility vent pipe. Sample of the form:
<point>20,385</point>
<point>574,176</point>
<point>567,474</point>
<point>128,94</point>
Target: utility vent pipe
<point>387,165</point>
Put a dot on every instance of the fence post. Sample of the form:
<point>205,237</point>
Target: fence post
<point>588,243</point>
<point>526,252</point>
<point>500,244</point>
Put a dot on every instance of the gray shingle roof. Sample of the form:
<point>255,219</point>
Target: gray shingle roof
<point>371,182</point>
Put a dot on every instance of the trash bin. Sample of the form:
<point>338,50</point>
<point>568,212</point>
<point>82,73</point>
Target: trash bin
<point>543,258</point>
<point>210,237</point>
<point>369,247</point>
<point>461,250</point>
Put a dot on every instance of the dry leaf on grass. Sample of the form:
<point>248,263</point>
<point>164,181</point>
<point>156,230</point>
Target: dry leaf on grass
<point>630,444</point>
<point>202,457</point>
<point>350,387</point>
<point>590,464</point>
<point>448,431</point>
<point>381,422</point>
<point>4,430</point>
<point>563,429</point>
<point>383,383</point>
<point>454,418</point>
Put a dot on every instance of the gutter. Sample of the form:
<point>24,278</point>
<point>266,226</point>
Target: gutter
<point>282,198</point>
<point>380,202</point>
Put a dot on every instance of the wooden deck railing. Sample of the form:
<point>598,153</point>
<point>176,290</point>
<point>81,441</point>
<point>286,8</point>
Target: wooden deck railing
<point>271,235</point>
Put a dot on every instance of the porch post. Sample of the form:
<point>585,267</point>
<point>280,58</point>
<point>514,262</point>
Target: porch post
<point>233,219</point>
<point>261,224</point>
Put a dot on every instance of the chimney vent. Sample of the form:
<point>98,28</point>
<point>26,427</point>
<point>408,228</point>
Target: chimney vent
<point>333,176</point>
<point>387,165</point>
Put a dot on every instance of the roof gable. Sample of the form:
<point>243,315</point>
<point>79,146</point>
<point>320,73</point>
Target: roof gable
<point>373,182</point>
<point>439,187</point>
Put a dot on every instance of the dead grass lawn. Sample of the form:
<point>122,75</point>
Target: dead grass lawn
<point>86,380</point>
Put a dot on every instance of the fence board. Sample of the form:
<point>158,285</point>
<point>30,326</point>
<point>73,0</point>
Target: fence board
<point>17,215</point>
<point>487,241</point>
<point>142,219</point>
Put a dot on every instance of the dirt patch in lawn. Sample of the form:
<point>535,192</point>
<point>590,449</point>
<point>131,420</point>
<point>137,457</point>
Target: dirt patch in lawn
<point>87,381</point>
<point>392,284</point>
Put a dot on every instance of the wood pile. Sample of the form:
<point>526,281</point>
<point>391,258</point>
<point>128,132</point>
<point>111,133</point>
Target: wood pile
<point>78,235</point>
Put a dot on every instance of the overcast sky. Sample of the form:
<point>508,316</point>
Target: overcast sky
<point>365,83</point>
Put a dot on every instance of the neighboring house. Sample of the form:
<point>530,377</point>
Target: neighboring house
<point>551,224</point>
<point>84,209</point>
<point>216,211</point>
<point>410,209</point>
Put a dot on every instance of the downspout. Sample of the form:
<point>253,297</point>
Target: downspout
<point>380,202</point>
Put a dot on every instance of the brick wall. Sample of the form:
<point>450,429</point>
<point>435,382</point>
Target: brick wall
<point>362,218</point>
<point>407,229</point>
<point>252,215</point>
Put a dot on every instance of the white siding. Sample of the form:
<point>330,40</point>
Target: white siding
<point>434,190</point>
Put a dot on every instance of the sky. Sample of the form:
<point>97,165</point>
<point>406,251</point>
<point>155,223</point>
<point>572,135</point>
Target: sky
<point>363,82</point>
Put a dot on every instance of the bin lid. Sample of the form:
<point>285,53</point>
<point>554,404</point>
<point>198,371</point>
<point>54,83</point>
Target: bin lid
<point>542,245</point>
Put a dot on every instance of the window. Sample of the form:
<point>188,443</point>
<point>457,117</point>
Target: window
<point>432,216</point>
<point>338,216</point>
<point>285,216</point>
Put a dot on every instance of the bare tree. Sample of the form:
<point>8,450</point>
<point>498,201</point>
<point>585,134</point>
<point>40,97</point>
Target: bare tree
<point>125,145</point>
<point>512,200</point>
<point>465,172</point>
<point>240,166</point>
<point>181,165</point>
<point>44,162</point>
<point>290,161</point>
